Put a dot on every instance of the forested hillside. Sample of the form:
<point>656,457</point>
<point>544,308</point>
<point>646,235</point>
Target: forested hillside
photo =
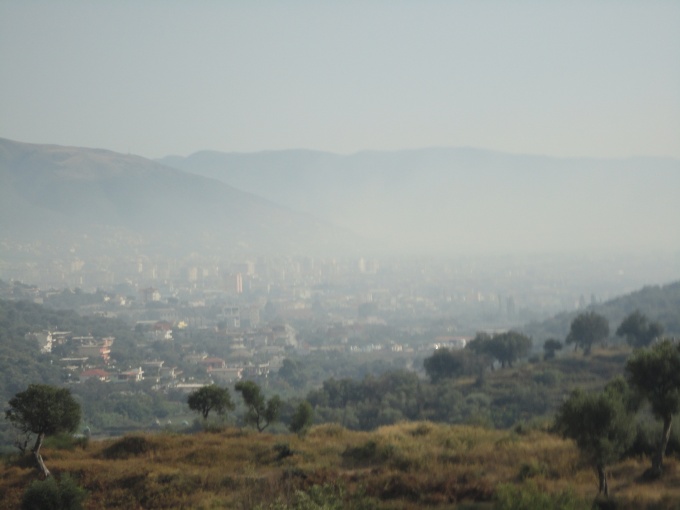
<point>660,303</point>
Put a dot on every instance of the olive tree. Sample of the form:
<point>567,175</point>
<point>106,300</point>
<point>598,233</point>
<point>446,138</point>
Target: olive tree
<point>550,347</point>
<point>506,347</point>
<point>446,364</point>
<point>601,424</point>
<point>302,418</point>
<point>209,398</point>
<point>586,329</point>
<point>638,330</point>
<point>260,412</point>
<point>43,410</point>
<point>655,373</point>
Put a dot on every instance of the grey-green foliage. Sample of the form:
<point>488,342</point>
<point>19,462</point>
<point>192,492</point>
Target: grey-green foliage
<point>586,329</point>
<point>210,398</point>
<point>506,347</point>
<point>302,418</point>
<point>655,373</point>
<point>448,364</point>
<point>550,347</point>
<point>638,331</point>
<point>600,423</point>
<point>260,412</point>
<point>43,410</point>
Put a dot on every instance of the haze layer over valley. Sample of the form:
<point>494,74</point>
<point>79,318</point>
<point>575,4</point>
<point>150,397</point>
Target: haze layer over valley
<point>490,231</point>
<point>480,164</point>
<point>468,201</point>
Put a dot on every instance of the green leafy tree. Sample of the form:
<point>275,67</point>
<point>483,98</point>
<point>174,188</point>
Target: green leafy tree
<point>655,373</point>
<point>445,364</point>
<point>43,410</point>
<point>260,412</point>
<point>210,398</point>
<point>510,346</point>
<point>638,330</point>
<point>293,373</point>
<point>587,329</point>
<point>506,348</point>
<point>601,424</point>
<point>302,418</point>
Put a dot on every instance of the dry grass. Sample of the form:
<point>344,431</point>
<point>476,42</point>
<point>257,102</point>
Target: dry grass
<point>409,465</point>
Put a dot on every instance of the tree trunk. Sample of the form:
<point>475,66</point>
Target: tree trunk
<point>657,463</point>
<point>38,458</point>
<point>602,476</point>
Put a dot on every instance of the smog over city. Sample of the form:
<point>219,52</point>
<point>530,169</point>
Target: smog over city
<point>289,196</point>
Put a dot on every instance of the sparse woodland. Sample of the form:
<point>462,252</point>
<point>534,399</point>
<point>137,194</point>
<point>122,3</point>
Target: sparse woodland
<point>475,429</point>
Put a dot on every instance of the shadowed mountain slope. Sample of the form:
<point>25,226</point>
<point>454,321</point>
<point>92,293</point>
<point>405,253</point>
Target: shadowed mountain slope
<point>75,191</point>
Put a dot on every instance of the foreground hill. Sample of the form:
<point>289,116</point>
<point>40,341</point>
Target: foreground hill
<point>49,191</point>
<point>463,199</point>
<point>406,466</point>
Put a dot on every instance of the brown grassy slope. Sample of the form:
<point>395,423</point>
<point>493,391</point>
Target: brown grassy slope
<point>410,465</point>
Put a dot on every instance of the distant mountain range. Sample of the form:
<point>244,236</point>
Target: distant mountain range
<point>467,200</point>
<point>427,201</point>
<point>48,191</point>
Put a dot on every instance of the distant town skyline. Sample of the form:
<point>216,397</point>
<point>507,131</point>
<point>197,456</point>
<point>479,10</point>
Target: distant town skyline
<point>567,79</point>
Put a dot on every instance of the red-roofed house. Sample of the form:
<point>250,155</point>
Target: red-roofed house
<point>95,373</point>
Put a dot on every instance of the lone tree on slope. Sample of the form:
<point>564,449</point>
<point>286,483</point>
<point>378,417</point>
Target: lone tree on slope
<point>43,410</point>
<point>260,413</point>
<point>586,329</point>
<point>209,398</point>
<point>655,373</point>
<point>550,347</point>
<point>601,425</point>
<point>638,330</point>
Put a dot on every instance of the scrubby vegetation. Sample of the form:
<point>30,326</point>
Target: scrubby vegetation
<point>475,428</point>
<point>405,466</point>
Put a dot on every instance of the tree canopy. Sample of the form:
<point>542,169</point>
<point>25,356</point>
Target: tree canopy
<point>446,363</point>
<point>550,347</point>
<point>209,398</point>
<point>655,373</point>
<point>638,330</point>
<point>293,373</point>
<point>506,347</point>
<point>43,410</point>
<point>601,425</point>
<point>586,329</point>
<point>260,412</point>
<point>302,418</point>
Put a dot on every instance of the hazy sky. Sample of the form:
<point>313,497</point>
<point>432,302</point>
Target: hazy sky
<point>569,78</point>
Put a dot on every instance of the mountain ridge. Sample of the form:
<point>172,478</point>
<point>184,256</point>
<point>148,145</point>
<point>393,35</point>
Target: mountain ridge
<point>47,187</point>
<point>479,199</point>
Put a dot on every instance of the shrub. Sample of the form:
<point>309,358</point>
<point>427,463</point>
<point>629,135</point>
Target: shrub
<point>283,450</point>
<point>129,446</point>
<point>51,494</point>
<point>370,453</point>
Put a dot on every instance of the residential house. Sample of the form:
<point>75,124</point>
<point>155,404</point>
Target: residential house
<point>95,374</point>
<point>134,375</point>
